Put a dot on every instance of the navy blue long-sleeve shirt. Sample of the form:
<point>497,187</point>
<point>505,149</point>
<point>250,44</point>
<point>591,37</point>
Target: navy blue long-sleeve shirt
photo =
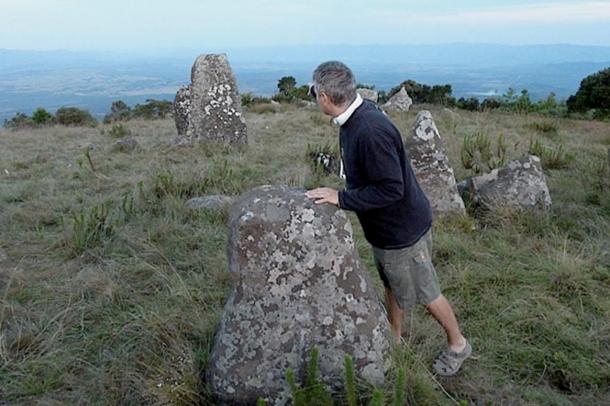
<point>380,183</point>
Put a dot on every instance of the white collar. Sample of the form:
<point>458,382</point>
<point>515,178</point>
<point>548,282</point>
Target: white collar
<point>343,117</point>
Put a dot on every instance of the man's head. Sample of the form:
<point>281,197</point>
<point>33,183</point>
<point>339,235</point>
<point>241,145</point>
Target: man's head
<point>335,87</point>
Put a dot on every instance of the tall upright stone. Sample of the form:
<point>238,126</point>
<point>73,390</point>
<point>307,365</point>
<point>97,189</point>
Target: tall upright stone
<point>299,284</point>
<point>431,166</point>
<point>209,109</point>
<point>400,101</point>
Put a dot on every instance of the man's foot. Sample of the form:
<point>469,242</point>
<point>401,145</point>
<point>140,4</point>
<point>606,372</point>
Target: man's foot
<point>449,362</point>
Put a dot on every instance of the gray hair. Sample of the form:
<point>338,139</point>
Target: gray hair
<point>336,80</point>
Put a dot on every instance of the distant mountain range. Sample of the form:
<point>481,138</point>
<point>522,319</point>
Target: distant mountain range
<point>92,80</point>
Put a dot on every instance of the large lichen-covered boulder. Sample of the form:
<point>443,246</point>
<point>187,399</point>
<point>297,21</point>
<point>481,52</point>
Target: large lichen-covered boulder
<point>299,284</point>
<point>400,101</point>
<point>368,94</point>
<point>520,184</point>
<point>431,166</point>
<point>209,109</point>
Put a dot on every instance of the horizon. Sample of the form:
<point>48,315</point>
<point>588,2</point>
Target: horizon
<point>305,44</point>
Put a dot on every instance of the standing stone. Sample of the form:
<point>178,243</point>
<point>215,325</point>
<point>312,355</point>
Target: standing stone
<point>431,166</point>
<point>368,94</point>
<point>182,110</point>
<point>520,184</point>
<point>299,285</point>
<point>210,108</point>
<point>399,102</point>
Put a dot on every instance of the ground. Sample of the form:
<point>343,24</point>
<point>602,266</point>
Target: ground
<point>110,290</point>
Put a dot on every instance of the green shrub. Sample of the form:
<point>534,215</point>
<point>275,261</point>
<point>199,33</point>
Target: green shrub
<point>73,116</point>
<point>477,153</point>
<point>41,117</point>
<point>551,158</point>
<point>89,229</point>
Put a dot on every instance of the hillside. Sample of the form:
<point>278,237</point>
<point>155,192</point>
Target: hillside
<point>110,289</point>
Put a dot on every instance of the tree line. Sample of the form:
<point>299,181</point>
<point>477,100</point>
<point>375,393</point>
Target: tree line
<point>591,101</point>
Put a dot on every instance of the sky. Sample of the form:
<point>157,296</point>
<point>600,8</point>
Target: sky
<point>148,25</point>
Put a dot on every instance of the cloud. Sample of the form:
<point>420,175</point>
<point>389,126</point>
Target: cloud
<point>555,13</point>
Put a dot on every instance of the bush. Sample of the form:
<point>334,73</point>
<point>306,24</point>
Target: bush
<point>41,117</point>
<point>549,157</point>
<point>73,116</point>
<point>153,109</point>
<point>20,121</point>
<point>470,104</point>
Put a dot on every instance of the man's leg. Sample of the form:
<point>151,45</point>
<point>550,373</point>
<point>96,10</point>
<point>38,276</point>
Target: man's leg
<point>395,314</point>
<point>443,313</point>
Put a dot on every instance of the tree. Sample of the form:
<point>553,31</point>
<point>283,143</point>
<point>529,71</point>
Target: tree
<point>593,93</point>
<point>42,117</point>
<point>286,85</point>
<point>119,111</point>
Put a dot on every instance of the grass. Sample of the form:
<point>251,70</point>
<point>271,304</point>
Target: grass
<point>110,290</point>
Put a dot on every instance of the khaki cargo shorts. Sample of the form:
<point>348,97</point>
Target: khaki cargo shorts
<point>409,272</point>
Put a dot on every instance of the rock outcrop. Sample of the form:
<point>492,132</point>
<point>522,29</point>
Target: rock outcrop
<point>520,184</point>
<point>299,284</point>
<point>400,101</point>
<point>431,166</point>
<point>209,109</point>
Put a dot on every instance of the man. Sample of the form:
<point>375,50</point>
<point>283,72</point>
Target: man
<point>394,212</point>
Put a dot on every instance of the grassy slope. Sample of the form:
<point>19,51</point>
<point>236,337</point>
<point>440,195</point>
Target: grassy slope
<point>127,315</point>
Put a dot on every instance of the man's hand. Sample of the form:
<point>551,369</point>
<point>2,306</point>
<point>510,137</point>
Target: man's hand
<point>324,195</point>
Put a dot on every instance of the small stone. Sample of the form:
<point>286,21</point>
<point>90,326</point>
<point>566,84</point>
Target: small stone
<point>520,184</point>
<point>369,94</point>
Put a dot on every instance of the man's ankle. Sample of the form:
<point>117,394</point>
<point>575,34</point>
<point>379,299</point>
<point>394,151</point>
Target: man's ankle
<point>459,345</point>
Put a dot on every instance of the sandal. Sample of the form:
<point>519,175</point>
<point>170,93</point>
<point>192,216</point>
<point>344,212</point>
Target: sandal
<point>449,362</point>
